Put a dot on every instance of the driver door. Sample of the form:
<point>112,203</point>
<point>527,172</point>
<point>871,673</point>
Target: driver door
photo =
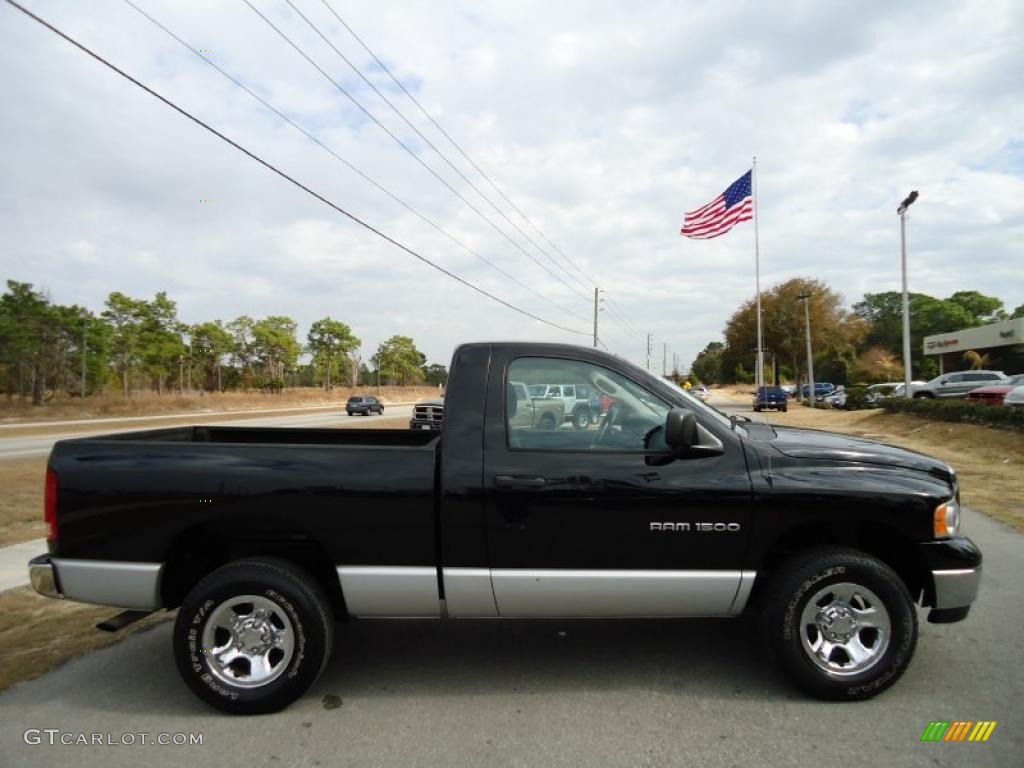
<point>606,521</point>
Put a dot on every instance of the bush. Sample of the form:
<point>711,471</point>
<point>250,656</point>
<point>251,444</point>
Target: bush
<point>956,410</point>
<point>857,399</point>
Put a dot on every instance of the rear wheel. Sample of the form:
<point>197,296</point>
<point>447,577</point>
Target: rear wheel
<point>547,421</point>
<point>928,395</point>
<point>841,622</point>
<point>252,636</point>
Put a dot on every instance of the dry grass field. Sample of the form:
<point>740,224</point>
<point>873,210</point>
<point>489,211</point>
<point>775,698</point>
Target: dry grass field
<point>13,411</point>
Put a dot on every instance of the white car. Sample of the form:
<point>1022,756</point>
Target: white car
<point>835,399</point>
<point>700,391</point>
<point>1015,397</point>
<point>876,392</point>
<point>914,386</point>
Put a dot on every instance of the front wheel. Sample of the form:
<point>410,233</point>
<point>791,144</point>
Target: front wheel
<point>252,636</point>
<point>581,418</point>
<point>841,623</point>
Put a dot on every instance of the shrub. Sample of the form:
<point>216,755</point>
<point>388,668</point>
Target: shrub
<point>957,410</point>
<point>857,399</point>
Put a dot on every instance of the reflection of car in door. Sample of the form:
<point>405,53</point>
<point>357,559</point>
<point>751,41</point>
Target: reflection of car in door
<point>534,412</point>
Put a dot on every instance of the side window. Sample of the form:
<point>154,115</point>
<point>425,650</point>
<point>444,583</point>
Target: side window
<point>626,418</point>
<point>954,378</point>
<point>554,391</point>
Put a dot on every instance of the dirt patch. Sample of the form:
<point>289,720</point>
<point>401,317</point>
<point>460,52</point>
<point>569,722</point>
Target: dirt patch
<point>38,633</point>
<point>21,503</point>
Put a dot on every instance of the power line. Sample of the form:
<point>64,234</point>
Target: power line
<point>409,151</point>
<point>427,141</point>
<point>453,142</point>
<point>348,164</point>
<point>617,309</point>
<point>281,173</point>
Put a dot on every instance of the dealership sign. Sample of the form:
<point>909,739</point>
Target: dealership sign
<point>1001,334</point>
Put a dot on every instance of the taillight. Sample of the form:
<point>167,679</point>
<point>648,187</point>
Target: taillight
<point>50,505</point>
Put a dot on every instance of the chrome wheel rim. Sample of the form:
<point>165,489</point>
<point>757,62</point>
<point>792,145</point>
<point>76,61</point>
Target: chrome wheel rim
<point>249,641</point>
<point>845,629</point>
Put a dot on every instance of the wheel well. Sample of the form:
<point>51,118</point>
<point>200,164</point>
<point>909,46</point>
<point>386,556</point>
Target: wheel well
<point>881,541</point>
<point>200,551</point>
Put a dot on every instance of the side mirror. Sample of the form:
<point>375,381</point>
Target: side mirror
<point>681,428</point>
<point>942,382</point>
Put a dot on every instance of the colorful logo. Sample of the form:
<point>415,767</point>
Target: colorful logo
<point>958,730</point>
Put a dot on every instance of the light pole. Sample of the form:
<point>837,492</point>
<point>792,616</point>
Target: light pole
<point>902,211</point>
<point>806,299</point>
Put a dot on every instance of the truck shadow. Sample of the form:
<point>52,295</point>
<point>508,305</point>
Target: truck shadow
<point>471,657</point>
<point>407,659</point>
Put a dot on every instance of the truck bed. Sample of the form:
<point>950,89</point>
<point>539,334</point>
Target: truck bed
<point>137,495</point>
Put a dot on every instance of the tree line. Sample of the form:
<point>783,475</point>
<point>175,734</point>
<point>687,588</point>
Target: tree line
<point>859,345</point>
<point>142,345</point>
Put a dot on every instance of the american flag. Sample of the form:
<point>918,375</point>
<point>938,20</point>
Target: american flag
<point>721,214</point>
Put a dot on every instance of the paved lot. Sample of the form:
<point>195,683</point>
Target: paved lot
<point>555,693</point>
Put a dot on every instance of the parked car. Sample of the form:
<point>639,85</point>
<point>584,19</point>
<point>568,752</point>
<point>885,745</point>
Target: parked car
<point>428,415</point>
<point>993,395</point>
<point>262,538</point>
<point>789,389</point>
<point>877,392</point>
<point>1015,398</point>
<point>700,391</point>
<point>770,397</point>
<point>958,384</point>
<point>575,399</point>
<point>821,388</point>
<point>364,405</point>
<point>914,387</point>
<point>535,412</point>
<point>835,399</point>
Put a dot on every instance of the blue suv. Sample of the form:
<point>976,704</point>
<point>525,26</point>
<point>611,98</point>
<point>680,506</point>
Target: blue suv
<point>821,388</point>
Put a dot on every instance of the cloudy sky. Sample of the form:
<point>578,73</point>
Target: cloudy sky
<point>601,121</point>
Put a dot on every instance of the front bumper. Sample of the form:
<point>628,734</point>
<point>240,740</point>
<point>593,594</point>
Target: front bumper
<point>955,568</point>
<point>425,424</point>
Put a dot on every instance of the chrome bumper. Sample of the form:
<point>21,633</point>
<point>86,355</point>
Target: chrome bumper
<point>135,586</point>
<point>43,577</point>
<point>956,588</point>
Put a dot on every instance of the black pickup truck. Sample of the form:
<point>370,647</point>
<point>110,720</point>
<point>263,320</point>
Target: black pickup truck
<point>263,538</point>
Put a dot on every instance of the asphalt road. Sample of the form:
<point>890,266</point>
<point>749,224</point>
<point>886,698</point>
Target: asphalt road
<point>553,693</point>
<point>39,445</point>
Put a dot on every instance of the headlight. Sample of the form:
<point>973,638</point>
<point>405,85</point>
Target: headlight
<point>947,519</point>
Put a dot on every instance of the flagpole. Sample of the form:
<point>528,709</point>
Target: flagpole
<point>758,378</point>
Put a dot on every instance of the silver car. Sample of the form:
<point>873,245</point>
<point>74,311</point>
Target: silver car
<point>958,384</point>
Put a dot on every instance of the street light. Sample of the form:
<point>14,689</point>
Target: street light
<point>806,299</point>
<point>902,211</point>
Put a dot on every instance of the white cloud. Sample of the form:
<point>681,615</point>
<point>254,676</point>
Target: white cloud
<point>603,121</point>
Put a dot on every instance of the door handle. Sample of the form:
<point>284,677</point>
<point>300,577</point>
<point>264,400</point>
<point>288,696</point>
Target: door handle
<point>519,481</point>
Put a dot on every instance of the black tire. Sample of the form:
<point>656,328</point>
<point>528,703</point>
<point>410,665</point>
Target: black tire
<point>581,417</point>
<point>791,636</point>
<point>757,409</point>
<point>380,411</point>
<point>349,412</point>
<point>547,421</point>
<point>298,608</point>
<point>928,395</point>
<point>784,408</point>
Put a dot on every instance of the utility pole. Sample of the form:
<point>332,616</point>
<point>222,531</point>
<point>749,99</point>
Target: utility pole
<point>597,308</point>
<point>85,325</point>
<point>380,364</point>
<point>664,359</point>
<point>806,299</point>
<point>902,211</point>
<point>648,353</point>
